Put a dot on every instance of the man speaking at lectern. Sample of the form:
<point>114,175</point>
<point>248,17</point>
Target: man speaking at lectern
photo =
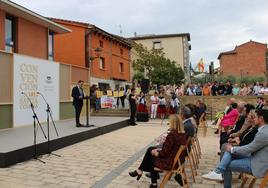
<point>78,95</point>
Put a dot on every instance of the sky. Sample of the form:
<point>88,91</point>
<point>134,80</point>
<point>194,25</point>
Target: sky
<point>214,25</point>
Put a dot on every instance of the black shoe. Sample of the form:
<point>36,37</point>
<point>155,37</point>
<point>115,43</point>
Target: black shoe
<point>217,131</point>
<point>153,186</point>
<point>135,174</point>
<point>178,179</point>
<point>78,125</point>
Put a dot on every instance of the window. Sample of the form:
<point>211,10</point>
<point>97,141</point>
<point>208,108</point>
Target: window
<point>121,51</point>
<point>101,43</point>
<point>157,44</point>
<point>121,67</point>
<point>51,46</point>
<point>10,33</point>
<point>102,63</point>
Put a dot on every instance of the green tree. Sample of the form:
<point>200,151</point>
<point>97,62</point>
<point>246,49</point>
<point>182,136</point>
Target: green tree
<point>159,69</point>
<point>138,76</point>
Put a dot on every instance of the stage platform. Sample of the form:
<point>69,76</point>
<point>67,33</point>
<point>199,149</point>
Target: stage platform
<point>16,145</point>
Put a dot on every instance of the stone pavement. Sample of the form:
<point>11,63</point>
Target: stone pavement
<point>104,161</point>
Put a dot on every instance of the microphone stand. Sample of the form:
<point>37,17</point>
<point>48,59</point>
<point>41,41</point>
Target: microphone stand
<point>87,112</point>
<point>48,110</point>
<point>35,119</point>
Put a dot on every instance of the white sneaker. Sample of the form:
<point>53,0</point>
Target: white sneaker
<point>213,176</point>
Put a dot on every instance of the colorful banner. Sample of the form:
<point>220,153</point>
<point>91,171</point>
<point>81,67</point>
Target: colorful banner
<point>33,75</point>
<point>108,102</point>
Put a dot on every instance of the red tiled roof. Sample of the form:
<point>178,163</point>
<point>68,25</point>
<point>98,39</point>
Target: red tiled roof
<point>94,28</point>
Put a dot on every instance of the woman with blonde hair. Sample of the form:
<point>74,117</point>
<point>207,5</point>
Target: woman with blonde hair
<point>162,158</point>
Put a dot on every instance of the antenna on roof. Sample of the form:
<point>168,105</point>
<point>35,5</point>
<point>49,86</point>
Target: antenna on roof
<point>120,30</point>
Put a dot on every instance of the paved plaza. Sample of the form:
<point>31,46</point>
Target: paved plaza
<point>105,161</point>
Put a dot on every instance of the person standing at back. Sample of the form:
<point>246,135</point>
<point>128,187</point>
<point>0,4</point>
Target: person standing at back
<point>154,103</point>
<point>133,108</point>
<point>78,95</point>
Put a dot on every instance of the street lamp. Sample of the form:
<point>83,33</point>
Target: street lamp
<point>97,51</point>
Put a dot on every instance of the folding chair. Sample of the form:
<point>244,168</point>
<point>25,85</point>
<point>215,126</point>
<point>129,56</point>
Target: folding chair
<point>197,143</point>
<point>203,123</point>
<point>180,170</point>
<point>190,158</point>
<point>195,153</point>
<point>246,176</point>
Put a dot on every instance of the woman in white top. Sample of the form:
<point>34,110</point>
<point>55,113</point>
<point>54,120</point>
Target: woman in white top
<point>154,104</point>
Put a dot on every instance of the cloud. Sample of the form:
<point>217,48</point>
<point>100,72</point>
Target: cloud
<point>215,26</point>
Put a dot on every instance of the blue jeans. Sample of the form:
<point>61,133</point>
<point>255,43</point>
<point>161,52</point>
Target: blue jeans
<point>230,163</point>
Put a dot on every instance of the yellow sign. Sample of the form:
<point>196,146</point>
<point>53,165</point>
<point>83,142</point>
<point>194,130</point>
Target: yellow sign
<point>99,94</point>
<point>109,93</point>
<point>116,94</point>
<point>121,93</point>
<point>138,90</point>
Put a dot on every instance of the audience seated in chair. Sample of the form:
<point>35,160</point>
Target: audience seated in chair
<point>229,120</point>
<point>163,158</point>
<point>251,158</point>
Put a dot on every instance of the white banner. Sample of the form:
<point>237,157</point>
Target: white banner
<point>32,75</point>
<point>108,102</point>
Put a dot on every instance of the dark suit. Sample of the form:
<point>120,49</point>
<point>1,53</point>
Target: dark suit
<point>240,122</point>
<point>77,102</point>
<point>189,127</point>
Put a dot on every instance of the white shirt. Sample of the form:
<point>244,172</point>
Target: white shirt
<point>174,102</point>
<point>154,100</point>
<point>162,101</point>
<point>189,91</point>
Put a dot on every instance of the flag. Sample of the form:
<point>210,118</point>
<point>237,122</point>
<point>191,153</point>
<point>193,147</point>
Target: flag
<point>200,65</point>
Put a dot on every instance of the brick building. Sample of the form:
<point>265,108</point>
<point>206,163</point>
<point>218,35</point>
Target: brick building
<point>26,32</point>
<point>109,68</point>
<point>22,33</point>
<point>248,59</point>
